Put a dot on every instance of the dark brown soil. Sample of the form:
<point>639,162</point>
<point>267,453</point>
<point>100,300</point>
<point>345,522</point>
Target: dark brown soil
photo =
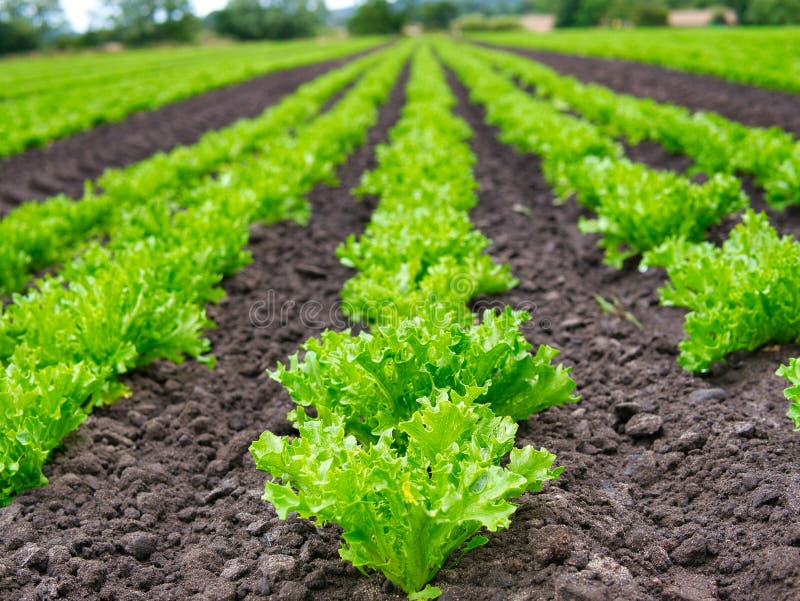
<point>748,104</point>
<point>677,487</point>
<point>654,156</point>
<point>703,507</point>
<point>64,165</point>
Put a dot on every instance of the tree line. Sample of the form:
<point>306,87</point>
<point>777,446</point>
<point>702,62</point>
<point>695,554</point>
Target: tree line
<point>379,16</point>
<point>587,13</point>
<point>33,24</point>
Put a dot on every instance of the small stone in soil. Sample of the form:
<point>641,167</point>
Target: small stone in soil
<point>744,429</point>
<point>692,551</point>
<point>690,440</point>
<point>691,587</point>
<point>659,557</point>
<point>572,323</point>
<point>92,574</point>
<point>234,569</point>
<point>643,425</point>
<point>187,514</point>
<point>766,495</point>
<point>258,527</point>
<point>576,588</point>
<point>140,544</point>
<point>276,566</point>
<point>293,591</point>
<point>627,409</point>
<point>316,579</point>
<point>551,544</point>
<point>35,558</point>
<point>707,394</point>
<point>793,535</point>
<point>251,370</point>
<point>312,271</point>
<point>225,488</point>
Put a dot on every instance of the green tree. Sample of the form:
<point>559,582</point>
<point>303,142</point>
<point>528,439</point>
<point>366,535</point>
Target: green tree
<point>740,6</point>
<point>582,13</point>
<point>375,17</point>
<point>142,21</point>
<point>438,15</point>
<point>649,14</point>
<point>539,6</point>
<point>17,36</point>
<point>27,24</point>
<point>271,19</point>
<point>41,15</point>
<point>773,12</point>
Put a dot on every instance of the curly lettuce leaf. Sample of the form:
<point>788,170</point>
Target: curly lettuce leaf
<point>377,379</point>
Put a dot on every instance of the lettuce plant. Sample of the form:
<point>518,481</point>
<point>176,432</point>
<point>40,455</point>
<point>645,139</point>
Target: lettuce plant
<point>639,208</point>
<point>37,410</point>
<point>792,373</point>
<point>740,296</point>
<point>404,509</point>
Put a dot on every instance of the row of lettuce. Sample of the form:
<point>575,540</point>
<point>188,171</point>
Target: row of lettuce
<point>37,236</point>
<point>742,295</point>
<point>136,291</point>
<point>81,92</point>
<point>404,431</point>
<point>714,143</point>
<point>411,445</point>
<point>761,56</point>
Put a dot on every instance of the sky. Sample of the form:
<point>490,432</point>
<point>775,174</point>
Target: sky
<point>78,11</point>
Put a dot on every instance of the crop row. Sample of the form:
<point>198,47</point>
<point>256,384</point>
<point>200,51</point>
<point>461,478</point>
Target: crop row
<point>31,115</point>
<point>637,208</point>
<point>31,75</point>
<point>37,236</point>
<point>716,144</point>
<point>740,296</point>
<point>142,295</point>
<point>412,421</point>
<point>759,56</point>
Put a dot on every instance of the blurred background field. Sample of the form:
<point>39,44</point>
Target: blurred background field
<point>763,56</point>
<point>75,64</point>
<point>46,98</point>
<point>52,25</point>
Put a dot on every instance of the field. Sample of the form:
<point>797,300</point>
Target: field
<point>488,327</point>
<point>49,98</point>
<point>768,57</point>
